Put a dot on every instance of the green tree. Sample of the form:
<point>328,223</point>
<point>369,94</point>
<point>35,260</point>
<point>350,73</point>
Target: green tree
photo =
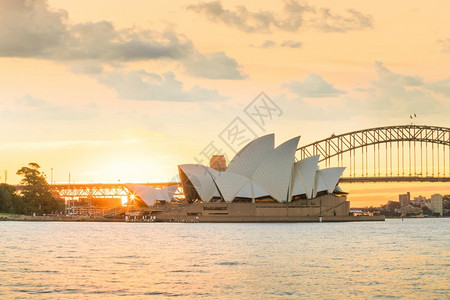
<point>10,202</point>
<point>36,191</point>
<point>6,198</point>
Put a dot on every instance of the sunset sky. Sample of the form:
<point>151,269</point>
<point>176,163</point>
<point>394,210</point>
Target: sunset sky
<point>111,90</point>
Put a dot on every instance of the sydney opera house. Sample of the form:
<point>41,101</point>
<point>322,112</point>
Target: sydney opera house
<point>262,183</point>
<point>260,172</point>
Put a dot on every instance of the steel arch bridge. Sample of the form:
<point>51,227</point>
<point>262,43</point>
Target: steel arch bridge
<point>391,153</point>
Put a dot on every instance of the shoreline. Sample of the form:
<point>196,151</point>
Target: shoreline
<point>325,219</point>
<point>25,218</point>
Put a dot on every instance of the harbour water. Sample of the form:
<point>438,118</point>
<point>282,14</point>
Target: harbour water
<point>392,259</point>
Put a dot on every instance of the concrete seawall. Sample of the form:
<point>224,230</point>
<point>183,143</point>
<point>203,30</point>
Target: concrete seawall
<point>268,219</point>
<point>25,218</point>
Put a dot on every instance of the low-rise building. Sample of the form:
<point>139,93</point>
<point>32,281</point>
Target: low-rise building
<point>420,201</point>
<point>409,210</point>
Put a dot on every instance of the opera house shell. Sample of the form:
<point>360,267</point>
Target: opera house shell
<point>262,183</point>
<point>261,172</point>
<point>150,195</point>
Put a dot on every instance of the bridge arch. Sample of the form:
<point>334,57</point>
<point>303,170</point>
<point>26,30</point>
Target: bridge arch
<point>409,150</point>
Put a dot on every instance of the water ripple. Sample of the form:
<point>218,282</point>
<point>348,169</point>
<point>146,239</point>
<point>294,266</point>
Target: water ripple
<point>392,259</point>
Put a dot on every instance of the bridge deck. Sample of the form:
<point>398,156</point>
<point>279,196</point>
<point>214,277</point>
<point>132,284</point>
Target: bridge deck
<point>394,179</point>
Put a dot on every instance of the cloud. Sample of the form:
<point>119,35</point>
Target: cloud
<point>265,45</point>
<point>291,44</point>
<point>294,16</point>
<point>352,20</point>
<point>313,86</point>
<point>29,28</point>
<point>86,67</point>
<point>141,85</point>
<point>216,65</point>
<point>389,97</point>
<point>271,44</point>
<point>101,41</point>
<point>387,78</point>
<point>445,44</point>
<point>441,87</point>
<point>29,108</point>
<point>33,29</point>
<point>268,44</point>
<point>240,18</point>
<point>393,94</point>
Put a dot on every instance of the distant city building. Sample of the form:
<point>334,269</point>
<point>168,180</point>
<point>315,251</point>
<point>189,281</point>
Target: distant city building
<point>409,210</point>
<point>218,163</point>
<point>420,198</point>
<point>437,204</point>
<point>421,201</point>
<point>404,199</point>
<point>446,205</point>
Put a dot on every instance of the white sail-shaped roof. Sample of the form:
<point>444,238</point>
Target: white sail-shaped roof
<point>200,177</point>
<point>274,172</point>
<point>250,157</point>
<point>252,190</point>
<point>259,170</point>
<point>339,189</point>
<point>330,177</point>
<point>150,195</point>
<point>147,193</point>
<point>305,171</point>
<point>166,194</point>
<point>297,186</point>
<point>229,184</point>
<point>245,191</point>
<point>319,184</point>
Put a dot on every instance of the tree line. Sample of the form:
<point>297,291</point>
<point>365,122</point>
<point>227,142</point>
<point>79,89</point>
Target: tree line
<point>34,196</point>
